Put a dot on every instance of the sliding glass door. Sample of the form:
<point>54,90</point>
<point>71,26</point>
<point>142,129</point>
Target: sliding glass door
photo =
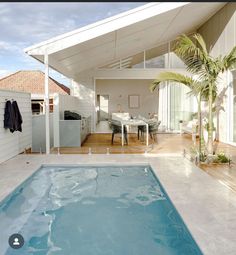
<point>182,105</point>
<point>233,109</point>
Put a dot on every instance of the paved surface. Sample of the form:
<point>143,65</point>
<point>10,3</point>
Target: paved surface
<point>206,205</point>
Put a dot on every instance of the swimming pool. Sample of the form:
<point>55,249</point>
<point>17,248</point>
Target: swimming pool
<point>100,210</point>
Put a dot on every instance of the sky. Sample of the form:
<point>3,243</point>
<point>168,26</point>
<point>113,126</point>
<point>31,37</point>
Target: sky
<point>24,24</point>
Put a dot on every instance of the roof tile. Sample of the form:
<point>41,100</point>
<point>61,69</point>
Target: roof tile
<point>31,82</point>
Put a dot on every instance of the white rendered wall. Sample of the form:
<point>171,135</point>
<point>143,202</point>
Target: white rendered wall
<point>11,144</point>
<point>219,33</point>
<point>84,90</point>
<point>119,90</point>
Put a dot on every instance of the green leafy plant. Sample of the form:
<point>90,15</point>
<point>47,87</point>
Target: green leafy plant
<point>222,158</point>
<point>194,115</point>
<point>202,157</point>
<point>207,127</point>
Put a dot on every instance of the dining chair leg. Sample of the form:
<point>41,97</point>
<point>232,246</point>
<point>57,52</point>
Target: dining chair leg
<point>155,138</point>
<point>151,135</point>
<point>112,139</point>
<point>142,134</point>
<point>126,139</point>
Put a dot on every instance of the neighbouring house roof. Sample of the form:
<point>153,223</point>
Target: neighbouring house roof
<point>122,35</point>
<point>31,82</point>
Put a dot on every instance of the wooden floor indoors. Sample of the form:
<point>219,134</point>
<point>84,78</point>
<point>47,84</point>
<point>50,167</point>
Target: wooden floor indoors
<point>165,144</point>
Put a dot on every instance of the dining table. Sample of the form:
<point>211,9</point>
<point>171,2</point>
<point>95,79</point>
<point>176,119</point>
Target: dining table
<point>133,122</point>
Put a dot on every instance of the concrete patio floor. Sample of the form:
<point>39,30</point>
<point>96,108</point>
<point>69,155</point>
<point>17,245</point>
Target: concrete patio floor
<point>207,206</point>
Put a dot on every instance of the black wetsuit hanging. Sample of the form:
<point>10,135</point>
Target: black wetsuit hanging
<point>9,116</point>
<point>17,117</point>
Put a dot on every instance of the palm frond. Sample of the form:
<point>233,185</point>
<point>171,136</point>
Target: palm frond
<point>201,43</point>
<point>193,52</point>
<point>172,77</point>
<point>229,61</point>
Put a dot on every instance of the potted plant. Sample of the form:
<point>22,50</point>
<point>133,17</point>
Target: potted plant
<point>221,158</point>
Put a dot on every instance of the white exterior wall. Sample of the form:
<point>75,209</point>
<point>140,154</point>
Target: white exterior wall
<point>11,144</point>
<point>219,33</point>
<point>84,90</point>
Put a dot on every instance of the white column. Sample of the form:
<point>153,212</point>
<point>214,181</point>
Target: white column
<point>72,87</point>
<point>168,92</point>
<point>147,134</point>
<point>95,107</point>
<point>46,101</point>
<point>122,134</point>
<point>229,110</point>
<point>168,106</point>
<point>144,59</point>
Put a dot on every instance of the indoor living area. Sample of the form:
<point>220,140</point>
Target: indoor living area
<point>131,100</point>
<point>122,97</point>
<point>122,94</point>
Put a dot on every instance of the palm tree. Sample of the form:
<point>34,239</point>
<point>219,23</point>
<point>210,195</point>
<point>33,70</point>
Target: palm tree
<point>193,52</point>
<point>196,88</point>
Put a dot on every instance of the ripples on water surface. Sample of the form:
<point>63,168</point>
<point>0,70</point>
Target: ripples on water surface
<point>94,211</point>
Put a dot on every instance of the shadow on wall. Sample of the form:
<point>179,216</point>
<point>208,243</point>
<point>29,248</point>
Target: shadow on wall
<point>83,92</point>
<point>103,115</point>
<point>214,27</point>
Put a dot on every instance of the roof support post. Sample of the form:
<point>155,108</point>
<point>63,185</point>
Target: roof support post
<point>144,59</point>
<point>72,87</point>
<point>168,92</point>
<point>46,101</point>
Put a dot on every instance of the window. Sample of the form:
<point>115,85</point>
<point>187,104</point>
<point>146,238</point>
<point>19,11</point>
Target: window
<point>157,57</point>
<point>175,61</point>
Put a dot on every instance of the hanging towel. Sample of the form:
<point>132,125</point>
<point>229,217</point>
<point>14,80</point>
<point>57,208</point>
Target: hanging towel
<point>9,116</point>
<point>17,117</point>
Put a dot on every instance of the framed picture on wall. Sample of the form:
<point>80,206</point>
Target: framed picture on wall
<point>133,101</point>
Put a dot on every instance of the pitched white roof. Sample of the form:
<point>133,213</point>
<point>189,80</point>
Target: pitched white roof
<point>122,35</point>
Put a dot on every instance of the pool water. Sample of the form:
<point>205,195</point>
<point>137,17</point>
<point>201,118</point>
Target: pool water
<point>88,210</point>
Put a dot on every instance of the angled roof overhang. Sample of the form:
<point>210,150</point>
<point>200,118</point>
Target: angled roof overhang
<point>122,35</point>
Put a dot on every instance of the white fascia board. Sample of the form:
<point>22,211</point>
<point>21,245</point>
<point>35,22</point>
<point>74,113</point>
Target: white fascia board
<point>102,27</point>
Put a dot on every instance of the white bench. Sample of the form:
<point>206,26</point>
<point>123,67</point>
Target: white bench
<point>190,127</point>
